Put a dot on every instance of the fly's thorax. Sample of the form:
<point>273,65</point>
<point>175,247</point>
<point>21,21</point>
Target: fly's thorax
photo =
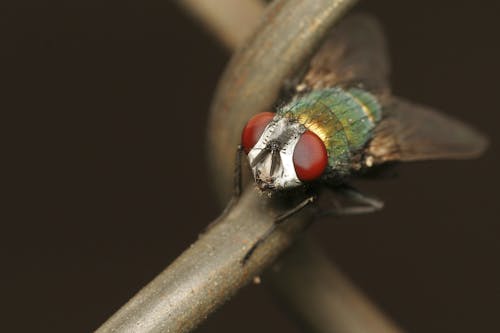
<point>344,119</point>
<point>271,159</point>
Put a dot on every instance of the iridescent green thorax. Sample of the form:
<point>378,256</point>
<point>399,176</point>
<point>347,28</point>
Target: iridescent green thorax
<point>343,118</point>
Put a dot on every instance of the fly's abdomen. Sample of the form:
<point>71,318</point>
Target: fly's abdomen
<point>343,119</point>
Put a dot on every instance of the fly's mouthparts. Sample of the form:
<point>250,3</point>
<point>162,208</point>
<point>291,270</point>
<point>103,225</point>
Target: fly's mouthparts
<point>274,146</point>
<point>267,184</point>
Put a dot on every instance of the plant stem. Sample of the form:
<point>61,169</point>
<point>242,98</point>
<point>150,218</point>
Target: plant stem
<point>320,297</point>
<point>209,272</point>
<point>288,35</point>
<point>231,21</point>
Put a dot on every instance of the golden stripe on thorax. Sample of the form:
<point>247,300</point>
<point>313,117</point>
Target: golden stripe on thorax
<point>368,113</point>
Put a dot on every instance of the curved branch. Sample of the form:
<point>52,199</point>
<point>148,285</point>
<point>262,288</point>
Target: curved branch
<point>288,35</point>
<point>209,272</point>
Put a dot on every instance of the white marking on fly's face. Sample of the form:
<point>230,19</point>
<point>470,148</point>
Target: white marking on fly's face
<point>283,133</point>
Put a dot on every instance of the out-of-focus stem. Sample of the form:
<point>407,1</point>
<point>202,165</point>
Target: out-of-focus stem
<point>321,298</point>
<point>231,21</point>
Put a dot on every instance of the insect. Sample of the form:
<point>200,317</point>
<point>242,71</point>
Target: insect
<point>342,121</point>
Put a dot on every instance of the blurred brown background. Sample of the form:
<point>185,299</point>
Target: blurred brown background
<point>105,107</point>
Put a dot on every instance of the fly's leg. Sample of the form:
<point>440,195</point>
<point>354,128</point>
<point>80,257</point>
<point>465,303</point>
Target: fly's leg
<point>364,203</point>
<point>277,222</point>
<point>236,189</point>
<point>237,174</point>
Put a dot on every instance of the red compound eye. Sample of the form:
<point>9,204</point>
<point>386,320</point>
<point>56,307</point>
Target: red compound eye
<point>309,157</point>
<point>254,129</point>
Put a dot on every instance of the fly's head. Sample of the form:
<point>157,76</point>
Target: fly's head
<point>282,152</point>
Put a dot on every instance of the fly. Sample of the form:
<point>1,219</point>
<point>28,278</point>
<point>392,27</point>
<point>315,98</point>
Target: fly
<point>343,121</point>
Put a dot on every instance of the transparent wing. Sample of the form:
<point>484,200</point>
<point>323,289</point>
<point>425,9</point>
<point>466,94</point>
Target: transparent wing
<point>411,132</point>
<point>355,53</point>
